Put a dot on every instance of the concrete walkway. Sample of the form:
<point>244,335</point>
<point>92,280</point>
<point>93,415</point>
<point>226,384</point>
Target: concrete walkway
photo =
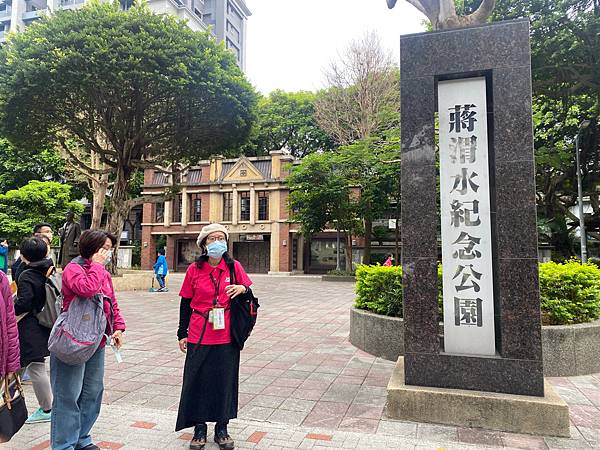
<point>303,385</point>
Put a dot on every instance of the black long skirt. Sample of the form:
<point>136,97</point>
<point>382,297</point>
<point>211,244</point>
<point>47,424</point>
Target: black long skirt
<point>210,385</point>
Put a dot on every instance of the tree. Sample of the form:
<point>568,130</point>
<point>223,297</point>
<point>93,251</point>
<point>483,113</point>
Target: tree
<point>136,89</point>
<point>38,201</point>
<point>565,47</point>
<point>320,196</point>
<point>345,188</point>
<point>362,102</point>
<point>286,120</point>
<point>445,14</point>
<point>17,168</point>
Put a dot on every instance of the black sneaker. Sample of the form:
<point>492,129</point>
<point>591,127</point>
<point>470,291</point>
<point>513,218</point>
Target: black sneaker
<point>199,439</point>
<point>222,438</point>
<point>89,447</point>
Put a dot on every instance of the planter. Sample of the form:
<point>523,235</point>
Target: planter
<point>338,278</point>
<point>568,350</point>
<point>571,350</point>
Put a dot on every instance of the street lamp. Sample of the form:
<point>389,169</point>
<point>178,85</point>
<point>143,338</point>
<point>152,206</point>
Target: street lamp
<point>582,234</point>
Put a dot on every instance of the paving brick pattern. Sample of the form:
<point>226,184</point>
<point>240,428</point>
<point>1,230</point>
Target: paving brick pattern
<point>303,385</point>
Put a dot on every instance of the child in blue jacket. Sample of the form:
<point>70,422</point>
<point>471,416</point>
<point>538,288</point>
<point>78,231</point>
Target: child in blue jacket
<point>161,270</point>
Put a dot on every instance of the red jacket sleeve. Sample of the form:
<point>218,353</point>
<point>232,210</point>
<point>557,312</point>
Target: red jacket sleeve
<point>84,281</point>
<point>241,275</point>
<point>119,322</point>
<point>13,360</point>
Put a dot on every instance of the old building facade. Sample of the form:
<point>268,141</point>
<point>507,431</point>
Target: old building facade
<point>247,195</point>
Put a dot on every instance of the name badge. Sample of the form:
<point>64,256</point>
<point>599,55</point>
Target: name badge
<point>218,317</point>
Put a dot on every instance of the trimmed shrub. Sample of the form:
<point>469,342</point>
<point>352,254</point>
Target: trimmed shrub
<point>569,292</point>
<point>379,289</point>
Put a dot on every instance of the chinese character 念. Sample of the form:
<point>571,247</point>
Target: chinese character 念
<point>462,214</point>
<point>467,311</point>
<point>464,181</point>
<point>467,272</point>
<point>468,250</point>
<point>462,118</point>
<point>463,149</point>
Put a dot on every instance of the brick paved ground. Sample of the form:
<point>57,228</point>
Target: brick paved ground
<point>302,384</point>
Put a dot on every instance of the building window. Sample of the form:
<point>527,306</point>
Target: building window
<point>245,206</point>
<point>159,212</point>
<point>227,206</point>
<point>177,209</point>
<point>196,208</point>
<point>263,205</point>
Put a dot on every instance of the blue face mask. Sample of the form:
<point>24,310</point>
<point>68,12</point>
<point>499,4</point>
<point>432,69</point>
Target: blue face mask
<point>216,249</point>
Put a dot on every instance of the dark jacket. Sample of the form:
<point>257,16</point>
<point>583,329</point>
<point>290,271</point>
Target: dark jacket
<point>31,296</point>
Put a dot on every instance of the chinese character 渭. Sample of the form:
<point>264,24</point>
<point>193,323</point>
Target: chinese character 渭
<point>468,250</point>
<point>467,272</point>
<point>464,180</point>
<point>467,311</point>
<point>462,118</point>
<point>463,149</point>
<point>462,214</point>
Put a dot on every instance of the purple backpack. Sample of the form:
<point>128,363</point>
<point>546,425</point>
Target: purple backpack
<point>78,332</point>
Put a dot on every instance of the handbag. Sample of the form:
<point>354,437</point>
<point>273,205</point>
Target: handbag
<point>13,412</point>
<point>244,312</point>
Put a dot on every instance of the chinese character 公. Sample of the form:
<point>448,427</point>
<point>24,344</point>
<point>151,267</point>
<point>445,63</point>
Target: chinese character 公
<point>467,272</point>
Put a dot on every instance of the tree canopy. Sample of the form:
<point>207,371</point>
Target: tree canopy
<point>565,43</point>
<point>38,201</point>
<point>286,120</point>
<point>137,89</point>
<point>17,167</point>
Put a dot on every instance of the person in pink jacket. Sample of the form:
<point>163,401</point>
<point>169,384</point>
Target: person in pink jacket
<point>78,389</point>
<point>9,334</point>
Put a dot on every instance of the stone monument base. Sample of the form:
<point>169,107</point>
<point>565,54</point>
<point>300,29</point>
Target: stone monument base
<point>548,415</point>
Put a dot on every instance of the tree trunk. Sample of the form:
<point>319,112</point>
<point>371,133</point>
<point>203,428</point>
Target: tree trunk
<point>348,252</point>
<point>99,190</point>
<point>367,253</point>
<point>119,210</point>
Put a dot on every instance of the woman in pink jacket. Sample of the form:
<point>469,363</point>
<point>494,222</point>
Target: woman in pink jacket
<point>78,389</point>
<point>9,335</point>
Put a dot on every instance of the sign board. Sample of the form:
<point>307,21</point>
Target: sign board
<point>255,237</point>
<point>468,284</point>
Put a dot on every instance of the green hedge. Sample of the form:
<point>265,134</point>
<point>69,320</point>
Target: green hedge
<point>379,289</point>
<point>569,292</point>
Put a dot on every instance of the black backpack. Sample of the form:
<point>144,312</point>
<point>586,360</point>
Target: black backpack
<point>244,312</point>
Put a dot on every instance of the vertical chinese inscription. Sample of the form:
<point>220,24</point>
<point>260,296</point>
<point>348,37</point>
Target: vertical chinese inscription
<point>465,215</point>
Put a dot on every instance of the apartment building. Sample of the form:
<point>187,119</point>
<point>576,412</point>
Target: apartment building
<point>225,18</point>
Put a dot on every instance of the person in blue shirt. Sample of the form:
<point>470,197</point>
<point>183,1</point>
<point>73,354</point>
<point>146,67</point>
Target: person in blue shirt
<point>4,255</point>
<point>161,270</point>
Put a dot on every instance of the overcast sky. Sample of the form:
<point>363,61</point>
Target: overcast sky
<point>289,42</point>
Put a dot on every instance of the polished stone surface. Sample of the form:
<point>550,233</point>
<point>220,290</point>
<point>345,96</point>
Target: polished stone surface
<point>500,52</point>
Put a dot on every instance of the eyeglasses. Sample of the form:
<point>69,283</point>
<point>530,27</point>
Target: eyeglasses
<point>215,238</point>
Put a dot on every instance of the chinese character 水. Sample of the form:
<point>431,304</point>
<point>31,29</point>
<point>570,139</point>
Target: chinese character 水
<point>464,180</point>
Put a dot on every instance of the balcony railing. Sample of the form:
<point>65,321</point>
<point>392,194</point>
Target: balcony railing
<point>5,12</point>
